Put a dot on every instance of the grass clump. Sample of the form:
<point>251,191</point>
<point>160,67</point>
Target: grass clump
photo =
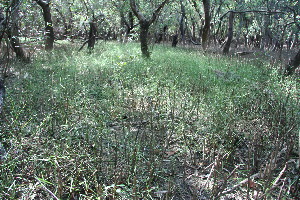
<point>111,125</point>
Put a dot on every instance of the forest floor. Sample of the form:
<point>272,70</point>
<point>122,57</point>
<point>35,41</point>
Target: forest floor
<point>181,125</point>
<point>275,57</point>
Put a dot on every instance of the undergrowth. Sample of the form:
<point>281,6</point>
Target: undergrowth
<point>183,124</point>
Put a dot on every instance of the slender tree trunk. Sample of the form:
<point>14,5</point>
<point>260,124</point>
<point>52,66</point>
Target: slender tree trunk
<point>18,49</point>
<point>229,34</point>
<point>161,35</point>
<point>13,32</point>
<point>92,35</point>
<point>69,32</point>
<point>49,33</point>
<point>128,24</point>
<point>131,20</point>
<point>174,40</point>
<point>181,24</point>
<point>296,39</point>
<point>165,29</point>
<point>194,30</point>
<point>144,29</point>
<point>266,37</point>
<point>293,64</point>
<point>2,25</point>
<point>206,28</point>
<point>2,94</point>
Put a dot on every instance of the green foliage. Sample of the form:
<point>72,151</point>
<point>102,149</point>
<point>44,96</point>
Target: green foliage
<point>113,125</point>
<point>5,4</point>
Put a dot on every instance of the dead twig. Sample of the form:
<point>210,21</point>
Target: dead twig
<point>275,183</point>
<point>51,193</point>
<point>222,187</point>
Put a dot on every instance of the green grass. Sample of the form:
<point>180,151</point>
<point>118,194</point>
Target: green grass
<point>112,125</point>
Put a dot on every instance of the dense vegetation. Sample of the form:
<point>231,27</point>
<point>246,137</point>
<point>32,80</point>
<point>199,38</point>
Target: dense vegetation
<point>270,24</point>
<point>181,125</point>
<point>205,106</point>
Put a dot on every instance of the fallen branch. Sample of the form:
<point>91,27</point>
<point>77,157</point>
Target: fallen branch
<point>241,183</point>
<point>225,182</point>
<point>87,42</point>
<point>243,53</point>
<point>83,45</point>
<point>275,183</point>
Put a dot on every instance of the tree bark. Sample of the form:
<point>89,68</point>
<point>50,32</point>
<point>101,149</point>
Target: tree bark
<point>206,28</point>
<point>296,39</point>
<point>131,21</point>
<point>161,35</point>
<point>2,94</point>
<point>13,32</point>
<point>267,35</point>
<point>292,65</point>
<point>181,23</point>
<point>174,40</point>
<point>92,35</point>
<point>49,33</point>
<point>128,23</point>
<point>229,34</point>
<point>145,24</point>
<point>2,24</point>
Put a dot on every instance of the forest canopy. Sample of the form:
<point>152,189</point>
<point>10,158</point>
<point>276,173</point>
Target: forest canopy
<point>263,24</point>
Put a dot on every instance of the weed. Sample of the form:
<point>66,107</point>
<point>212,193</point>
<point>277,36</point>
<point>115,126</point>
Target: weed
<point>111,125</point>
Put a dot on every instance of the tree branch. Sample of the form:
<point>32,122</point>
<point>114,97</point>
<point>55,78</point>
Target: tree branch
<point>136,12</point>
<point>41,3</point>
<point>157,11</point>
<point>124,19</point>
<point>252,11</point>
<point>194,4</point>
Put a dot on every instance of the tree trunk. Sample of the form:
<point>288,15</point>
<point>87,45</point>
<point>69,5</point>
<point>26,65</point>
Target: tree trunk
<point>229,34</point>
<point>296,39</point>
<point>144,26</point>
<point>49,33</point>
<point>13,32</point>
<point>165,29</point>
<point>18,49</point>
<point>181,23</point>
<point>2,94</point>
<point>2,25</point>
<point>159,38</point>
<point>128,24</point>
<point>194,30</point>
<point>92,36</point>
<point>206,28</point>
<point>131,21</point>
<point>174,40</point>
<point>267,35</point>
<point>293,64</point>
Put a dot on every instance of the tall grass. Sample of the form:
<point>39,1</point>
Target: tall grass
<point>111,125</point>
